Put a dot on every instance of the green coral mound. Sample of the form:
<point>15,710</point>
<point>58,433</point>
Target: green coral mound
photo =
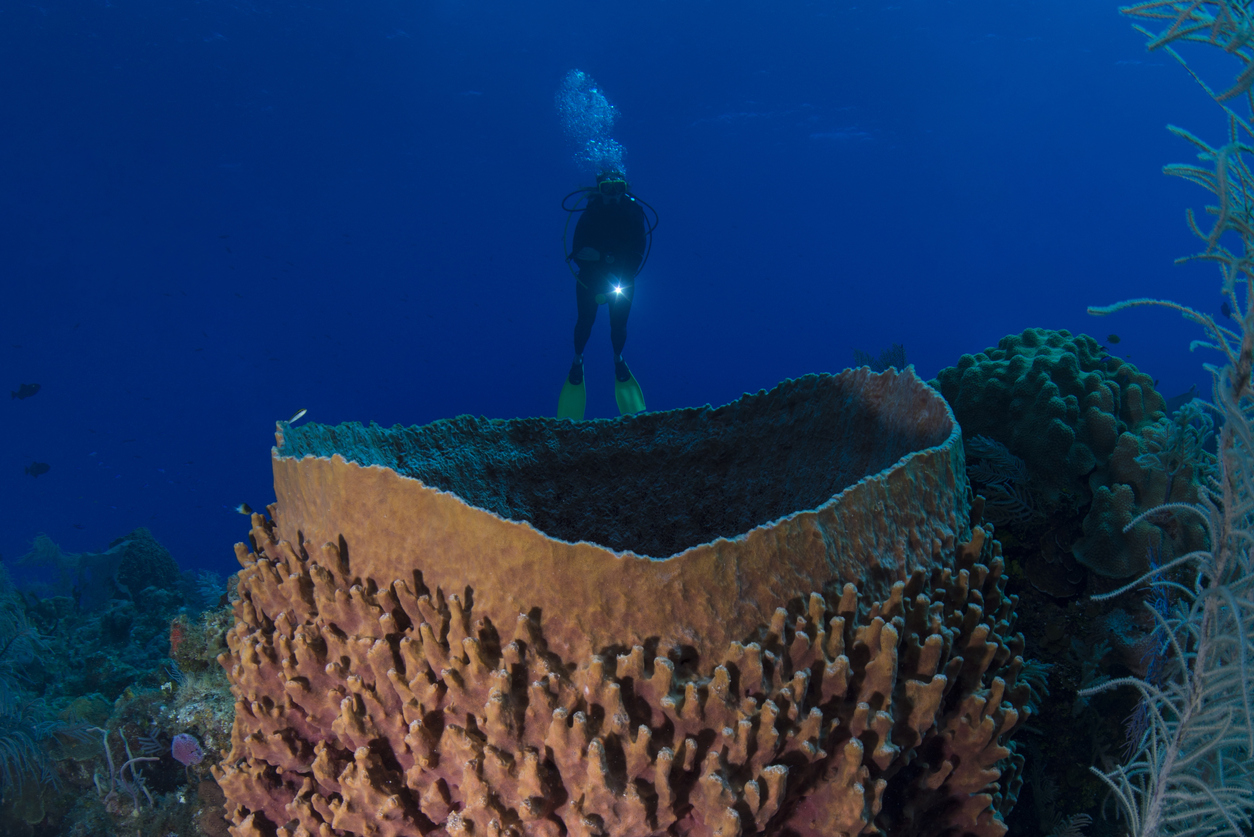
<point>1056,400</point>
<point>1080,419</point>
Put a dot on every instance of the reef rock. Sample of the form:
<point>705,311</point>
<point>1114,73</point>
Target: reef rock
<point>766,618</point>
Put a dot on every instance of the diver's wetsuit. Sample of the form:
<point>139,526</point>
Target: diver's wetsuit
<point>608,248</point>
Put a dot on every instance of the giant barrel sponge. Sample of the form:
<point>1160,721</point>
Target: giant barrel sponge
<point>772,617</point>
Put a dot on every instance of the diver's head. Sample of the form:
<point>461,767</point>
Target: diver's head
<point>612,185</point>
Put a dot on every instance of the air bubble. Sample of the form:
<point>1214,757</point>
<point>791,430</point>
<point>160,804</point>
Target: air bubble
<point>587,117</point>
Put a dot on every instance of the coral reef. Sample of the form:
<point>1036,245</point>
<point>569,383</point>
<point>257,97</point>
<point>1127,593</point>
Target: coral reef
<point>1084,422</point>
<point>90,702</point>
<point>109,634</point>
<point>814,651</point>
<point>130,565</point>
<point>202,699</point>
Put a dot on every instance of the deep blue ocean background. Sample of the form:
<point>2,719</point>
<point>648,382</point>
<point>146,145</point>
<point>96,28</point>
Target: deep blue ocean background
<point>214,214</point>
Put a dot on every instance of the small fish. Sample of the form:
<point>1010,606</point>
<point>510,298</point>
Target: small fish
<point>37,468</point>
<point>1112,338</point>
<point>244,508</point>
<point>299,415</point>
<point>25,391</point>
<point>1226,309</point>
<point>79,526</point>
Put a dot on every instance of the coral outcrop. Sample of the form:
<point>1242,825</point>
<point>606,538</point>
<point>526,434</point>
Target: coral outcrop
<point>1078,416</point>
<point>793,633</point>
<point>1055,399</point>
<point>1146,469</point>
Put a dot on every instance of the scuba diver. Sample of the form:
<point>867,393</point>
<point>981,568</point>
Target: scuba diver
<point>612,241</point>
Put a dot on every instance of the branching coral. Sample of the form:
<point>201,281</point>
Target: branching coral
<point>117,776</point>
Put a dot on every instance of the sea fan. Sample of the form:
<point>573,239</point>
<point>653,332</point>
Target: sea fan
<point>20,646</point>
<point>1002,478</point>
<point>1035,675</point>
<point>1072,826</point>
<point>201,590</point>
<point>22,753</point>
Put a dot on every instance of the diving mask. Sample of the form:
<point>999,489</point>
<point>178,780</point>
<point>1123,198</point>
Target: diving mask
<point>612,187</point>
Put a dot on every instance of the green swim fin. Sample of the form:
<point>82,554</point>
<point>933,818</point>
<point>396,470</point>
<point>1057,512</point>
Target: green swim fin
<point>628,395</point>
<point>571,402</point>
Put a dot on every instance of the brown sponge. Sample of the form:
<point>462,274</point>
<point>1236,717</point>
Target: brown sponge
<point>407,663</point>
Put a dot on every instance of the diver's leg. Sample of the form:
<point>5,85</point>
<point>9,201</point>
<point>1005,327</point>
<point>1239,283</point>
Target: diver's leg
<point>626,388</point>
<point>586,303</point>
<point>620,309</point>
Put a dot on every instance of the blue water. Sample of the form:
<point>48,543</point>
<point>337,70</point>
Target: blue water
<point>214,214</point>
